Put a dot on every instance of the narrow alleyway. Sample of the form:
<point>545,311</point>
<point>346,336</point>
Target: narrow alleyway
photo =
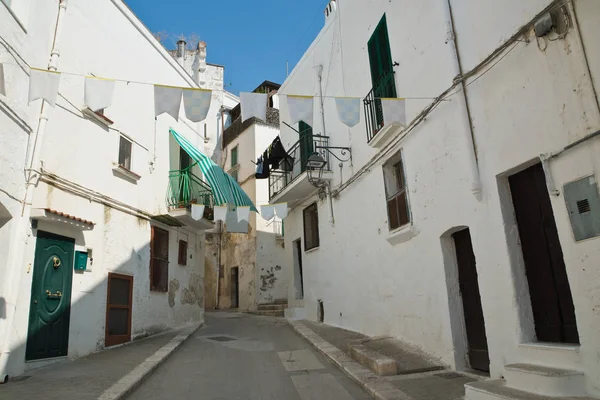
<point>239,356</point>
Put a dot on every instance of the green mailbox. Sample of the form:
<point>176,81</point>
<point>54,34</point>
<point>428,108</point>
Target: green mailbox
<point>80,260</point>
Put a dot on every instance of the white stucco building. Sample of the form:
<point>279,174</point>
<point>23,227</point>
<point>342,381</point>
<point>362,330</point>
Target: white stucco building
<point>473,232</point>
<point>252,272</point>
<point>99,248</point>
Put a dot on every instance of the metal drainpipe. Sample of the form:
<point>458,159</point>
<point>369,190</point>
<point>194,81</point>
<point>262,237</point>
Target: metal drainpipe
<point>465,111</point>
<point>23,227</point>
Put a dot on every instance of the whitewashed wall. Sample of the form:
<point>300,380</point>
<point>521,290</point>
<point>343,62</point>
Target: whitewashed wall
<point>533,101</point>
<point>84,152</point>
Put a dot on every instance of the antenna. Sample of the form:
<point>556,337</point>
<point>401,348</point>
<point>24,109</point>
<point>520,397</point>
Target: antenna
<point>287,68</point>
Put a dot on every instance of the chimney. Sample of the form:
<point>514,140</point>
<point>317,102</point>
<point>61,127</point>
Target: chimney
<point>201,63</point>
<point>181,48</point>
<point>330,10</point>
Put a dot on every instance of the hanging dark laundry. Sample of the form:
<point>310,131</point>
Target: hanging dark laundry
<point>262,168</point>
<point>278,158</point>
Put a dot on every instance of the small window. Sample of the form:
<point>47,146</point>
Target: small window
<point>234,156</point>
<point>182,257</point>
<point>311,227</point>
<point>396,192</point>
<point>125,153</point>
<point>159,260</point>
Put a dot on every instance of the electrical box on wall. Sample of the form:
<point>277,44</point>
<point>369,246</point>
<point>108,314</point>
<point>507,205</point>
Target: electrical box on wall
<point>583,204</point>
<point>81,259</point>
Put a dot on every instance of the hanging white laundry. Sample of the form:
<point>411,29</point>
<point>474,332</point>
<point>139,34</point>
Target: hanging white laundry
<point>267,212</point>
<point>167,99</point>
<point>197,211</point>
<point>394,111</point>
<point>221,213</point>
<point>2,86</point>
<point>43,84</point>
<point>98,93</point>
<point>348,109</point>
<point>300,108</point>
<point>281,210</point>
<point>196,103</point>
<point>243,214</point>
<point>254,105</point>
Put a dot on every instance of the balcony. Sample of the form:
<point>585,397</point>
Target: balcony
<point>378,132</point>
<point>186,189</point>
<point>293,186</point>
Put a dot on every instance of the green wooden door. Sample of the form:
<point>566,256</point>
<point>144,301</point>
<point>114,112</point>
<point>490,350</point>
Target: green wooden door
<point>306,143</point>
<point>50,308</point>
<point>382,68</point>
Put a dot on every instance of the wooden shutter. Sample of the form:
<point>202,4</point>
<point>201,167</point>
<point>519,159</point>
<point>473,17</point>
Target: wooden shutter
<point>182,256</point>
<point>159,260</point>
<point>311,227</point>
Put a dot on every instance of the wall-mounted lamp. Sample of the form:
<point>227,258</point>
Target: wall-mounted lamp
<point>316,163</point>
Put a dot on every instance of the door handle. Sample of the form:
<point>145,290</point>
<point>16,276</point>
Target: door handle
<point>51,295</point>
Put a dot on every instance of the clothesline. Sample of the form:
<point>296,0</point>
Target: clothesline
<point>362,97</point>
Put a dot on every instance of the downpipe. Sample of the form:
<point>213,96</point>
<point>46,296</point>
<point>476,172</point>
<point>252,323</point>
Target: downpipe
<point>465,114</point>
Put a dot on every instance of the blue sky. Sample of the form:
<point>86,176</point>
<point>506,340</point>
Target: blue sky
<point>253,39</point>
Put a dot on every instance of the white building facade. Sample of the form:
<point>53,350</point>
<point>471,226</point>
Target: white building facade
<point>100,244</point>
<point>471,232</point>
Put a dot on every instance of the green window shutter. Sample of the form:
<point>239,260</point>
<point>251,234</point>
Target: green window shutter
<point>234,156</point>
<point>380,60</point>
<point>306,143</point>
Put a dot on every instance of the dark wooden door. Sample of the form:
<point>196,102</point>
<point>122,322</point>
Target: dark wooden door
<point>235,288</point>
<point>471,299</point>
<point>118,309</point>
<point>50,309</point>
<point>551,300</point>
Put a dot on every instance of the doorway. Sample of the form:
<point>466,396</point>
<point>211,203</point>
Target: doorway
<point>235,287</point>
<point>551,299</point>
<point>118,309</point>
<point>306,143</point>
<point>468,283</point>
<point>50,309</point>
<point>298,273</point>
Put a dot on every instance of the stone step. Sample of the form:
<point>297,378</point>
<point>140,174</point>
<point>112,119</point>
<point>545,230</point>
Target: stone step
<point>268,313</point>
<point>551,354</point>
<point>543,380</point>
<point>497,390</point>
<point>272,306</point>
<point>379,364</point>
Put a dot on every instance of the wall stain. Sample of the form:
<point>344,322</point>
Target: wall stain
<point>193,294</point>
<point>267,280</point>
<point>107,214</point>
<point>173,288</point>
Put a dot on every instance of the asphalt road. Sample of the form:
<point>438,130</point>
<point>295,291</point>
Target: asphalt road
<point>242,357</point>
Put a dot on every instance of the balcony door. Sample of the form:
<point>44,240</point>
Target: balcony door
<point>382,68</point>
<point>306,143</point>
<point>184,163</point>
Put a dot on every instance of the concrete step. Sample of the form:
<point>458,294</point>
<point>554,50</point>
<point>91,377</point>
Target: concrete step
<point>551,354</point>
<point>272,306</point>
<point>497,390</point>
<point>379,364</point>
<point>543,380</point>
<point>268,313</point>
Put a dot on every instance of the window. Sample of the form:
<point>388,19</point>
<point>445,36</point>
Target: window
<point>184,159</point>
<point>159,260</point>
<point>311,227</point>
<point>234,156</point>
<point>182,256</point>
<point>380,60</point>
<point>234,174</point>
<point>125,153</point>
<point>396,193</point>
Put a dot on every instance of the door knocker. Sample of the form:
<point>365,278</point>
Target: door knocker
<point>56,262</point>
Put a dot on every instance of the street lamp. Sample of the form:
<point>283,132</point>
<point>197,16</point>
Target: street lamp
<point>315,165</point>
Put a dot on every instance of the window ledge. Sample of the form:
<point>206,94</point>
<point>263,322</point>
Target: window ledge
<point>402,235</point>
<point>121,170</point>
<point>99,118</point>
<point>311,250</point>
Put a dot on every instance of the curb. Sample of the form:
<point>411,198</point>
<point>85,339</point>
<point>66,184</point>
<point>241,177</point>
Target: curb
<point>126,385</point>
<point>379,388</point>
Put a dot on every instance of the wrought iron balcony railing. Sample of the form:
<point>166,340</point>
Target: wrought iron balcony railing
<point>386,87</point>
<point>300,151</point>
<point>186,189</point>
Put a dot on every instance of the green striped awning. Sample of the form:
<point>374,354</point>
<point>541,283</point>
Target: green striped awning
<point>225,188</point>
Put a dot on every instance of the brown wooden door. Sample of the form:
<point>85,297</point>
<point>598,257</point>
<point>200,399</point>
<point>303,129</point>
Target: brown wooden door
<point>471,299</point>
<point>235,284</point>
<point>551,300</point>
<point>118,309</point>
